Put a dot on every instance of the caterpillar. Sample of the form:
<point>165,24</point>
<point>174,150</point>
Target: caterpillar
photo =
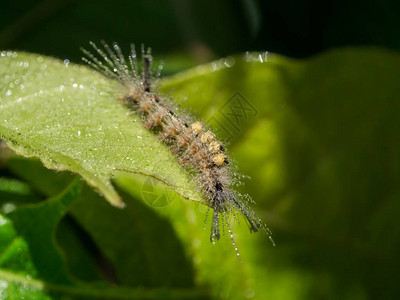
<point>194,145</point>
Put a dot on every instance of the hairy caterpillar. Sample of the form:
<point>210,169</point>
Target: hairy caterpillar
<point>194,146</point>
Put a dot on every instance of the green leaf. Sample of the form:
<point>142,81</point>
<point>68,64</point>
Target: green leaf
<point>36,224</point>
<point>322,151</point>
<point>29,259</point>
<point>70,118</point>
<point>122,243</point>
<point>141,246</point>
<point>32,266</point>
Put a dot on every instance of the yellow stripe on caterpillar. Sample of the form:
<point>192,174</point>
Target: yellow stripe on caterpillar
<point>220,159</point>
<point>214,147</point>
<point>207,137</point>
<point>197,127</point>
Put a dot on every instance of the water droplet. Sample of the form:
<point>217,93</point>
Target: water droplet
<point>3,285</point>
<point>8,207</point>
<point>229,61</point>
<point>75,85</point>
<point>8,93</point>
<point>250,294</point>
<point>61,88</point>
<point>256,56</point>
<point>247,56</point>
<point>79,133</point>
<point>139,137</point>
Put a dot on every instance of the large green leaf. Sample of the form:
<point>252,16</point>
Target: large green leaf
<point>69,117</point>
<point>322,151</point>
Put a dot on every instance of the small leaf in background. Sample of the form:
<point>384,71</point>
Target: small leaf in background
<point>32,265</point>
<point>36,224</point>
<point>29,258</point>
<point>17,271</point>
<point>130,247</point>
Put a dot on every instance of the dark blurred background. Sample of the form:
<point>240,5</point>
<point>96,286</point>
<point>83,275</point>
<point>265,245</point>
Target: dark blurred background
<point>198,30</point>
